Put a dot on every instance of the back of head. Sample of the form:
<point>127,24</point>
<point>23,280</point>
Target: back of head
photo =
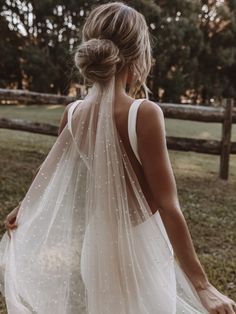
<point>114,36</point>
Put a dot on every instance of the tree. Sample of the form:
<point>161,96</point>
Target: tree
<point>192,41</point>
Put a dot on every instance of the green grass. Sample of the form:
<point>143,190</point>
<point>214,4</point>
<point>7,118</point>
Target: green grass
<point>39,113</point>
<point>208,203</point>
<point>194,129</point>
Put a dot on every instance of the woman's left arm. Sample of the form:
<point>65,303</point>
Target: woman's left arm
<point>156,164</point>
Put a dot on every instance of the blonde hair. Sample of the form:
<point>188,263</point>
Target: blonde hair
<point>114,36</point>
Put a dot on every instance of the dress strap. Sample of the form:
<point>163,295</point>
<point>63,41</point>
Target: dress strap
<point>70,113</point>
<point>69,123</point>
<point>132,118</point>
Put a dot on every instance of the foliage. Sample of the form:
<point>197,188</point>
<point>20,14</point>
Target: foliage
<point>193,46</point>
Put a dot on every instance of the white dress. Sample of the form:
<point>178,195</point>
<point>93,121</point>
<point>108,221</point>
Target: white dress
<point>75,249</point>
<point>166,289</point>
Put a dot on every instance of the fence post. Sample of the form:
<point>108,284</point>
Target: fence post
<point>226,138</point>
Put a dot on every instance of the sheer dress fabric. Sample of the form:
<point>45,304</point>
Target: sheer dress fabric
<point>87,241</point>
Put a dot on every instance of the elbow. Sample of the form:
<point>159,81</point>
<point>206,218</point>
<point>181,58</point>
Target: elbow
<point>169,207</point>
<point>171,215</point>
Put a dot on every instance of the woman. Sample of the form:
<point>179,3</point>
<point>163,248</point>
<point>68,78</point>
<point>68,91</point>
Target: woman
<point>101,230</point>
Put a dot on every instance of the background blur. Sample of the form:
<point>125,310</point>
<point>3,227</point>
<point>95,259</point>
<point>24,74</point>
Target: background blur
<point>194,46</point>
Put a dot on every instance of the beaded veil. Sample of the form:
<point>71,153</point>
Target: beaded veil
<point>87,241</point>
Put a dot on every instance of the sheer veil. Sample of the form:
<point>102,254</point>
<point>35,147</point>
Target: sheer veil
<point>86,240</point>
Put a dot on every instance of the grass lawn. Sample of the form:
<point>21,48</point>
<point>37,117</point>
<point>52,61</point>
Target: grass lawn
<point>208,203</point>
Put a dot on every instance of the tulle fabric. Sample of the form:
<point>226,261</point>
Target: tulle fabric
<point>87,241</point>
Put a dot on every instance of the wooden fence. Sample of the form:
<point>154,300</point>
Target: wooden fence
<point>224,115</point>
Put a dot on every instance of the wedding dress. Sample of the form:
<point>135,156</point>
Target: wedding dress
<point>87,241</point>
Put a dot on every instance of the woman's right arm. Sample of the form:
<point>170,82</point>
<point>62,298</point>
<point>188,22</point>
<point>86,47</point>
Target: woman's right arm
<point>10,221</point>
<point>156,164</point>
<point>62,124</point>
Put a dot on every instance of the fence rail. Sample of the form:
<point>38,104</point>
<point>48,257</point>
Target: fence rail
<point>195,113</point>
<point>224,115</point>
<point>33,97</point>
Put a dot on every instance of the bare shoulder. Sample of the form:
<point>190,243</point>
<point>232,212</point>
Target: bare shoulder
<point>150,118</point>
<point>68,106</point>
<point>66,109</point>
<point>151,135</point>
<point>63,120</point>
<point>148,108</point>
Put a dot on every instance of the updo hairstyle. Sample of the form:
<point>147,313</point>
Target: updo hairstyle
<point>114,36</point>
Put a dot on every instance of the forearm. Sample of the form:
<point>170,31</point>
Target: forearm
<point>180,238</point>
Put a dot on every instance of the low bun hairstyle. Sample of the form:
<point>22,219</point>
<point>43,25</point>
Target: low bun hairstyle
<point>98,59</point>
<point>114,36</point>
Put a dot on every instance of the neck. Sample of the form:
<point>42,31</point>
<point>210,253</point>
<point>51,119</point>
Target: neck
<point>120,83</point>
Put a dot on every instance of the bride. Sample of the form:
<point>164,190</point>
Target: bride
<point>100,229</point>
